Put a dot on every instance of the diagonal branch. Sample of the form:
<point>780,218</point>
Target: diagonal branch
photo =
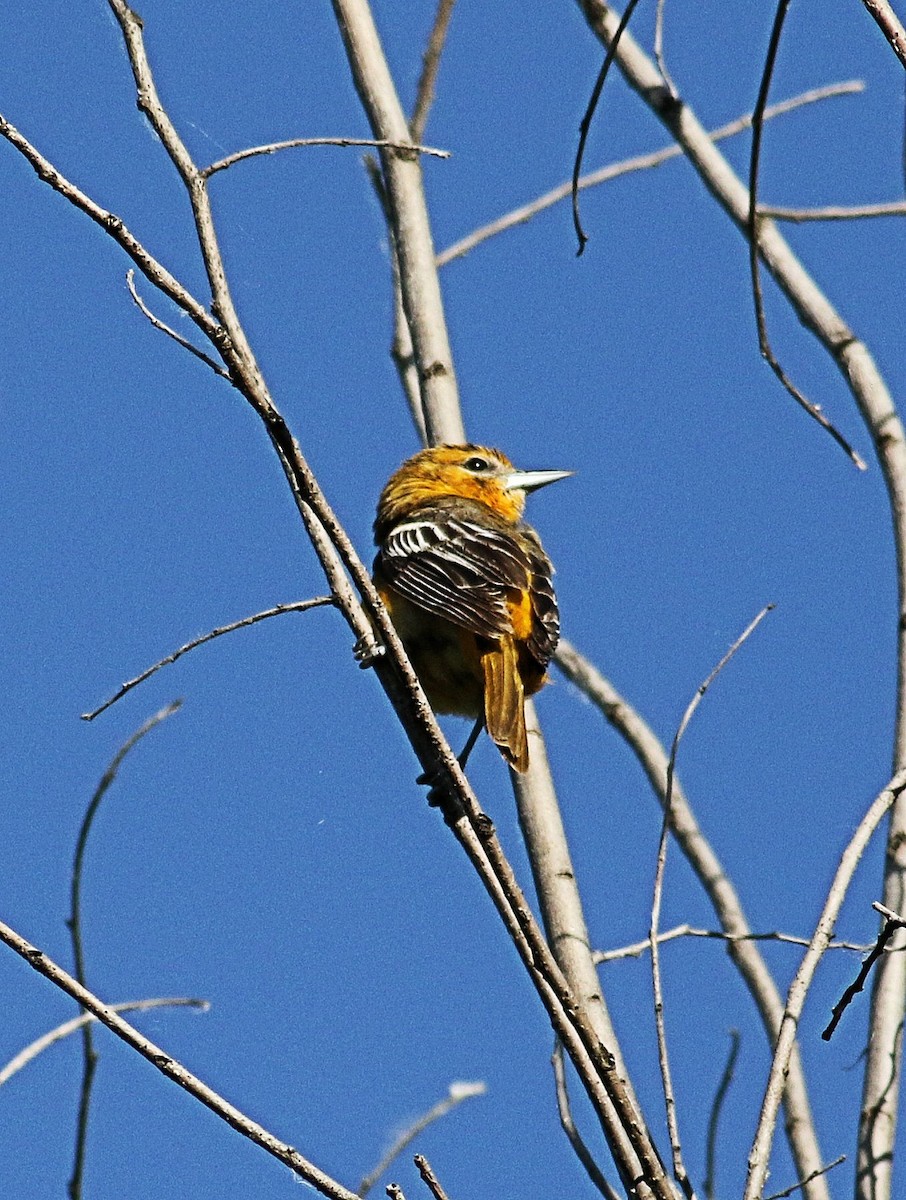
<point>759,1155</point>
<point>800,1126</point>
<point>640,162</point>
<point>174,1070</point>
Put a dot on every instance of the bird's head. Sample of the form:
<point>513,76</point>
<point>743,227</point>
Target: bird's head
<point>470,472</point>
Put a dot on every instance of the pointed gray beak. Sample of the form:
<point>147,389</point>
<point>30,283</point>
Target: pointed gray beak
<point>530,481</point>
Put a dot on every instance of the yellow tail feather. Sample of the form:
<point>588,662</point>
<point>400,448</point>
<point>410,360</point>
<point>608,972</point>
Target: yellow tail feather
<point>504,702</point>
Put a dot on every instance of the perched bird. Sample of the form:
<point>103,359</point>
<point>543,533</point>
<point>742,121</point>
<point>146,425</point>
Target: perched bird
<point>468,585</point>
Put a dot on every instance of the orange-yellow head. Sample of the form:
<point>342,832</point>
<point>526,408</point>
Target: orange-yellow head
<point>470,472</point>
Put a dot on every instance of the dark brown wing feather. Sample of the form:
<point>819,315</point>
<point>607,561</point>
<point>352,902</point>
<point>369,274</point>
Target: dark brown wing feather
<point>458,560</point>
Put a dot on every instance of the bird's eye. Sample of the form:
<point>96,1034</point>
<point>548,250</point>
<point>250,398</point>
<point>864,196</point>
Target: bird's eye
<point>477,464</point>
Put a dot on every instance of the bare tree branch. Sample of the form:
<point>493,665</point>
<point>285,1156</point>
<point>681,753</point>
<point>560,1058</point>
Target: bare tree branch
<point>714,1117</point>
<point>222,164</point>
<point>39,1045</point>
<point>764,343</point>
<point>568,1125</point>
<point>679,1167</point>
<point>838,212</point>
<point>855,363</point>
<point>277,611</point>
<point>424,96</point>
<point>419,283</point>
<point>171,333</point>
<point>892,922</point>
<point>429,1178</point>
<point>74,924</point>
<point>174,1070</point>
<point>585,123</point>
<point>802,1182</point>
<point>456,1094</point>
<point>759,1155</point>
<point>890,25</point>
<point>800,1126</point>
<point>637,949</point>
<point>641,162</point>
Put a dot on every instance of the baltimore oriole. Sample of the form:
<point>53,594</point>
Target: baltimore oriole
<point>468,585</point>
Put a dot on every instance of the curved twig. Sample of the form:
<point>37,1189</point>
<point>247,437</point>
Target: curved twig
<point>74,924</point>
<point>222,164</point>
<point>764,343</point>
<point>46,1040</point>
<point>456,1094</point>
<point>679,1168</point>
<point>588,116</point>
<point>277,611</point>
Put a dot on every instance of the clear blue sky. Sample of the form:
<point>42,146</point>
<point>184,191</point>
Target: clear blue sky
<point>267,848</point>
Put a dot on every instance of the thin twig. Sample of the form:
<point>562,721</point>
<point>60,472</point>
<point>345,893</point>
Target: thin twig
<point>892,922</point>
<point>395,1192</point>
<point>74,924</point>
<point>679,1168</point>
<point>586,121</point>
<point>641,162</point>
<point>837,212</point>
<point>424,95</point>
<point>761,1146</point>
<point>273,147</point>
<point>720,1095</point>
<point>637,949</point>
<point>429,1178</point>
<point>568,1125</point>
<point>890,25</point>
<point>277,611</point>
<point>659,48</point>
<point>795,1187</point>
<point>714,880</point>
<point>456,1094</point>
<point>39,1045</point>
<point>764,343</point>
<point>172,1069</point>
<point>177,337</point>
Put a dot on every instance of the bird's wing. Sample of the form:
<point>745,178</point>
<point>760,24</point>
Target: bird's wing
<point>459,568</point>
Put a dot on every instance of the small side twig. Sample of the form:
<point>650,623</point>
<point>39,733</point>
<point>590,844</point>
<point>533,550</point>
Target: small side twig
<point>892,922</point>
<point>177,337</point>
<point>795,1187</point>
<point>173,1070</point>
<point>395,1192</point>
<point>276,611</point>
<point>637,949</point>
<point>568,1125</point>
<point>640,162</point>
<point>74,924</point>
<point>659,49</point>
<point>714,1117</point>
<point>429,1178</point>
<point>424,95</point>
<point>292,143</point>
<point>679,1168</point>
<point>57,1034</point>
<point>754,235</point>
<point>457,1093</point>
<point>835,212</point>
<point>586,121</point>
